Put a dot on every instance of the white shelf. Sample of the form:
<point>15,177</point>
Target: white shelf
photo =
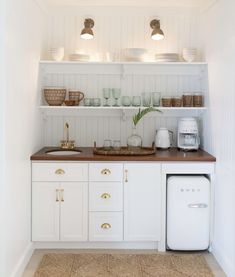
<point>121,63</point>
<point>66,108</point>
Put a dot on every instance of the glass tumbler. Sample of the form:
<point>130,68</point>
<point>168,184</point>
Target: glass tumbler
<point>96,102</point>
<point>146,99</point>
<point>126,101</point>
<point>107,144</point>
<point>156,98</point>
<point>87,101</point>
<point>116,95</point>
<point>117,145</point>
<point>136,101</point>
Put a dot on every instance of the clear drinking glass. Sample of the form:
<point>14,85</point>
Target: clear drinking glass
<point>87,101</point>
<point>116,144</point>
<point>126,101</point>
<point>136,101</point>
<point>96,102</point>
<point>156,98</point>
<point>146,99</point>
<point>107,144</point>
<point>116,95</point>
<point>106,95</point>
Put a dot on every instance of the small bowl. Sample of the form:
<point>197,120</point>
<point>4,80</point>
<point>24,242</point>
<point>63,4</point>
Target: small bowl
<point>69,102</point>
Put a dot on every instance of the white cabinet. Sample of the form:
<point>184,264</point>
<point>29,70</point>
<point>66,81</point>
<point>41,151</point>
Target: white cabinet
<point>59,209</point>
<point>60,201</point>
<point>74,211</point>
<point>142,201</point>
<point>45,211</point>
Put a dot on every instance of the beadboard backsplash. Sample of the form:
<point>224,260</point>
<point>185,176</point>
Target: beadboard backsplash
<point>117,28</point>
<point>86,130</point>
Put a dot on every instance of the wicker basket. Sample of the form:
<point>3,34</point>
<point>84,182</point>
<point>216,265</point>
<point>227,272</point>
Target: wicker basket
<point>176,101</point>
<point>55,96</point>
<point>188,100</point>
<point>197,100</point>
<point>166,101</point>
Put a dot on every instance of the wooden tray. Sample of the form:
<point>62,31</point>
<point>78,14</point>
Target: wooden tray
<point>125,151</point>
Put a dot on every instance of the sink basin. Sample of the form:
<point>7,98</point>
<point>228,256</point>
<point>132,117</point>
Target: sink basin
<point>63,152</point>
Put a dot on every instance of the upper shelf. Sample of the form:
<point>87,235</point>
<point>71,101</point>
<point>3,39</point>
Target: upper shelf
<point>124,68</point>
<point>122,63</point>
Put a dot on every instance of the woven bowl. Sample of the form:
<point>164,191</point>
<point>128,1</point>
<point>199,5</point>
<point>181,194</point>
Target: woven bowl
<point>55,96</point>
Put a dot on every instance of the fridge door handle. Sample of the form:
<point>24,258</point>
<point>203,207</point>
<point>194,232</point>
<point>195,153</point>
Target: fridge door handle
<point>198,206</point>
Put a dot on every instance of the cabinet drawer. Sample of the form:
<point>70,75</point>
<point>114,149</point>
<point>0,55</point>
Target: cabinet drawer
<point>105,226</point>
<point>105,172</point>
<point>106,196</point>
<point>59,172</point>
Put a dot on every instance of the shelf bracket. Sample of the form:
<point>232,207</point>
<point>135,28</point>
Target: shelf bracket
<point>123,115</point>
<point>123,71</point>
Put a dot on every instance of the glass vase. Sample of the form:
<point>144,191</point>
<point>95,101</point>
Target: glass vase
<point>134,141</point>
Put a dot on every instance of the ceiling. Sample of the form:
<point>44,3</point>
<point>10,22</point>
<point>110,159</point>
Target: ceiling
<point>136,3</point>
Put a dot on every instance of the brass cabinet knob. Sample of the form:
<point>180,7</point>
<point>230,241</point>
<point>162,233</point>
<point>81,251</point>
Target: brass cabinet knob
<point>59,171</point>
<point>57,195</point>
<point>105,195</point>
<point>105,171</point>
<point>62,195</point>
<point>105,226</point>
<point>126,175</point>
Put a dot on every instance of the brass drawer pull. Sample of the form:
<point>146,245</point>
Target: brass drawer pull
<point>105,171</point>
<point>62,195</point>
<point>59,171</point>
<point>57,195</point>
<point>126,175</point>
<point>105,226</point>
<point>105,195</point>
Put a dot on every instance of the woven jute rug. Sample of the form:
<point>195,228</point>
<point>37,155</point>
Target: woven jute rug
<point>123,265</point>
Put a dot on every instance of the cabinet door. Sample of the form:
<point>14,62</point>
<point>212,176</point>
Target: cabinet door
<point>74,211</point>
<point>45,211</point>
<point>142,183</point>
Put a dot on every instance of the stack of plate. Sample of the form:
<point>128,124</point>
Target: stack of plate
<point>189,54</point>
<point>57,53</point>
<point>167,57</point>
<point>135,54</point>
<point>79,57</point>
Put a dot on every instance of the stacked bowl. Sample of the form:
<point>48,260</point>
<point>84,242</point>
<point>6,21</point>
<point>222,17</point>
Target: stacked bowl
<point>135,54</point>
<point>79,57</point>
<point>57,53</point>
<point>189,54</point>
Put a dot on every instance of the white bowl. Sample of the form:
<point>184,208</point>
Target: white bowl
<point>135,54</point>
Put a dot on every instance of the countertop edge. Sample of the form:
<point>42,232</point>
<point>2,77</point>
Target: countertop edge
<point>171,155</point>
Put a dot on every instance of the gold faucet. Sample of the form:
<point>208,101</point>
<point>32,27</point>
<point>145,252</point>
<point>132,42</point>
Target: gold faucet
<point>67,144</point>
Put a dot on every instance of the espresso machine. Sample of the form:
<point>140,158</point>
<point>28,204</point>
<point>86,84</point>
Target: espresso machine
<point>188,135</point>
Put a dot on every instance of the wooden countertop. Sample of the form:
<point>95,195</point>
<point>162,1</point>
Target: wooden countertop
<point>171,155</point>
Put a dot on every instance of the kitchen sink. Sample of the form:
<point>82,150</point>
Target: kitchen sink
<point>63,152</point>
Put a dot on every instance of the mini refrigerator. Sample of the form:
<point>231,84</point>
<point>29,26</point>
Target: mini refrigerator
<point>188,212</point>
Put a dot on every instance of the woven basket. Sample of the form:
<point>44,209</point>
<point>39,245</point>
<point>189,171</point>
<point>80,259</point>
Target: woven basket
<point>55,96</point>
<point>176,102</point>
<point>166,101</point>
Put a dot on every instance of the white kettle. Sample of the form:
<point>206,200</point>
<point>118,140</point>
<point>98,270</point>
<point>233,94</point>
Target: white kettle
<point>163,139</point>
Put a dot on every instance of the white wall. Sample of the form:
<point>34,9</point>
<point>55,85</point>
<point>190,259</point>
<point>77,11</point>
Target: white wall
<point>2,133</point>
<point>218,24</point>
<point>23,129</point>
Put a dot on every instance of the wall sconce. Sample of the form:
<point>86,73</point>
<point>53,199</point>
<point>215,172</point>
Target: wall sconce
<point>87,32</point>
<point>157,33</point>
